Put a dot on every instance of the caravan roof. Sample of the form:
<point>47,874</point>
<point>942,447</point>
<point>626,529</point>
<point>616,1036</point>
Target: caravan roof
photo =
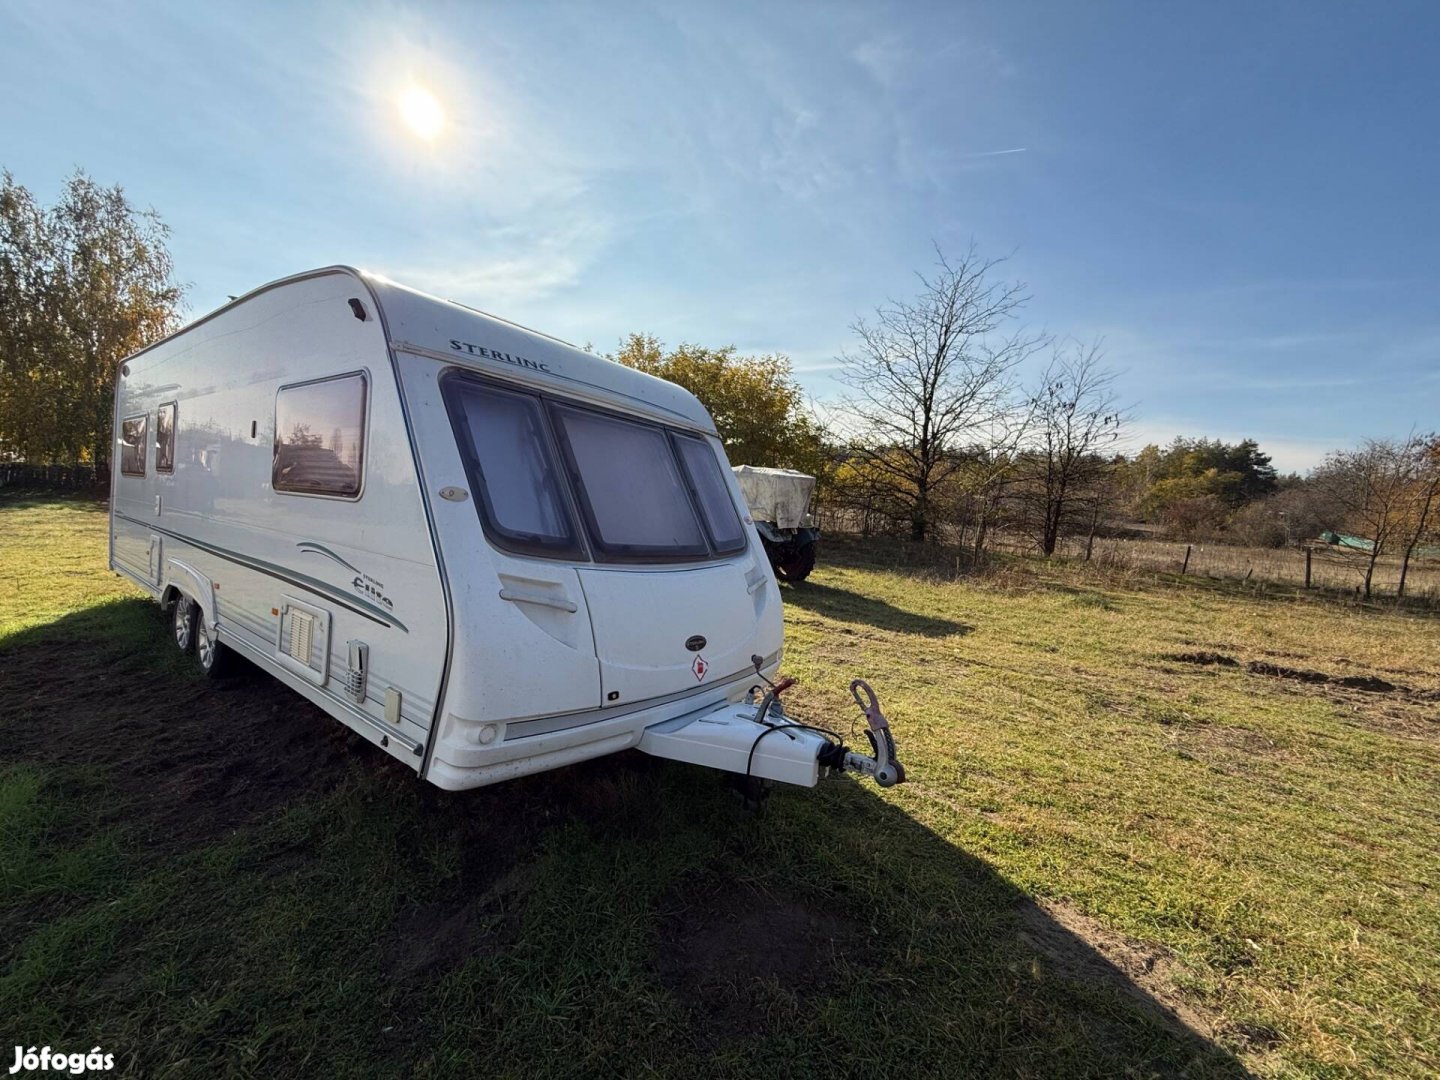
<point>417,322</point>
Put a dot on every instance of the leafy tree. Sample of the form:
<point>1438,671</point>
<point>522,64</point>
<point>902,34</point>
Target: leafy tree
<point>1210,477</point>
<point>83,284</point>
<point>1243,469</point>
<point>1423,505</point>
<point>933,378</point>
<point>758,407</point>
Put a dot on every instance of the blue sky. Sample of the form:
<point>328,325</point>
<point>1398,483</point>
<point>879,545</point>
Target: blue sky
<point>1242,199</point>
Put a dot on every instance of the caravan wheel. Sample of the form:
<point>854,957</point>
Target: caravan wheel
<point>215,659</point>
<point>183,620</point>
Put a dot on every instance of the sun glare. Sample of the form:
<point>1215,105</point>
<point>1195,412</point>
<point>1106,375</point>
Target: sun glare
<point>421,112</point>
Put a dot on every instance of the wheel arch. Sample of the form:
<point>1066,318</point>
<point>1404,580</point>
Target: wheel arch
<point>182,579</point>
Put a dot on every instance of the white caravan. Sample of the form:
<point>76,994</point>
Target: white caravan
<point>484,550</point>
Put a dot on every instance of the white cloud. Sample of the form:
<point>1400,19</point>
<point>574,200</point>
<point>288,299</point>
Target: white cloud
<point>885,58</point>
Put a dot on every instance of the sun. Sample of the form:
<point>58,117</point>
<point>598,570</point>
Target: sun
<point>421,112</point>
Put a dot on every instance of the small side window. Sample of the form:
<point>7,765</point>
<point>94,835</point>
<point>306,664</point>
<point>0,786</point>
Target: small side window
<point>320,437</point>
<point>165,438</point>
<point>133,444</point>
<point>707,482</point>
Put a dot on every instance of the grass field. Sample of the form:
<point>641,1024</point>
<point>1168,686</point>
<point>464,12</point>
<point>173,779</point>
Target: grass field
<point>1153,828</point>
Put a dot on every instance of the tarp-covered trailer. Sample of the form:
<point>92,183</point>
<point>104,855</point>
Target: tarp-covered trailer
<point>485,551</point>
<point>779,501</point>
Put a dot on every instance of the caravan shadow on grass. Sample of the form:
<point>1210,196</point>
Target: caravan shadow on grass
<point>219,879</point>
<point>852,607</point>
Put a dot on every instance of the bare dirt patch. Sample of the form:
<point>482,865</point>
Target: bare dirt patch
<point>1371,684</point>
<point>182,762</point>
<point>1082,949</point>
<point>1278,671</point>
<point>1366,684</point>
<point>1205,659</point>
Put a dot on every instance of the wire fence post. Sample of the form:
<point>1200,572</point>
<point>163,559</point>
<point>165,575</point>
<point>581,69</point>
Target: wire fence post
<point>1308,554</point>
<point>1186,564</point>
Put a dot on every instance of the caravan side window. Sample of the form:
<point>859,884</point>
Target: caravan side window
<point>133,444</point>
<point>320,437</point>
<point>712,494</point>
<point>165,438</point>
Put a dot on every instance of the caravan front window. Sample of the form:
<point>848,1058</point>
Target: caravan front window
<point>630,488</point>
<point>505,446</point>
<point>712,493</point>
<point>644,492</point>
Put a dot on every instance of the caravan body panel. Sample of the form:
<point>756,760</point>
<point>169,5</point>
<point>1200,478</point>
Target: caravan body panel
<point>481,659</point>
<point>258,560</point>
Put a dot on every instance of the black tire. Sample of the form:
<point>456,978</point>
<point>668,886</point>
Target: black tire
<point>215,658</point>
<point>798,567</point>
<point>184,618</point>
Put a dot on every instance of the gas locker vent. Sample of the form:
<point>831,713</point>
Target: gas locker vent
<point>303,643</point>
<point>302,636</point>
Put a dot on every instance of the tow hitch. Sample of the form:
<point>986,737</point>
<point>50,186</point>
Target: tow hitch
<point>760,742</point>
<point>884,766</point>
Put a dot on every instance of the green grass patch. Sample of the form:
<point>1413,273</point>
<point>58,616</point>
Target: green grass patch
<point>1122,851</point>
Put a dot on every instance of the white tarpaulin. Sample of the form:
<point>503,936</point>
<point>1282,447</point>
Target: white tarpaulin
<point>781,496</point>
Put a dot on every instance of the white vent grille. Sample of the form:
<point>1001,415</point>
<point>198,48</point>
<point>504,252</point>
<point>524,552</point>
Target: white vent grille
<point>302,636</point>
<point>302,642</point>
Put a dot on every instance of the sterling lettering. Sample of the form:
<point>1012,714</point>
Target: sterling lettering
<point>496,354</point>
<point>49,1060</point>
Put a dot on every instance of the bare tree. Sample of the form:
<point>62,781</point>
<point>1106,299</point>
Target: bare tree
<point>1076,420</point>
<point>933,375</point>
<point>1425,495</point>
<point>1375,489</point>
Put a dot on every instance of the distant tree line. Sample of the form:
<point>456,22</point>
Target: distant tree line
<point>940,436</point>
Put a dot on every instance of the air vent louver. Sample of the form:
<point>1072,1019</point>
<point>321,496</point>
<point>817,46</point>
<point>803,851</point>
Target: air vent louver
<point>302,636</point>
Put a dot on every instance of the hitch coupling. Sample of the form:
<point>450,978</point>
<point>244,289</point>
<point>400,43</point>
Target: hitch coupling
<point>883,764</point>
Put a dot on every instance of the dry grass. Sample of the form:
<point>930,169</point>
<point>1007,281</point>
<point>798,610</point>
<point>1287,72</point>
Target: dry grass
<point>1332,569</point>
<point>1191,763</point>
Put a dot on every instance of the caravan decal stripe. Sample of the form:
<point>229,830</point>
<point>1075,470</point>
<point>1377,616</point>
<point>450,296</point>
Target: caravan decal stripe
<point>352,603</point>
<point>320,549</point>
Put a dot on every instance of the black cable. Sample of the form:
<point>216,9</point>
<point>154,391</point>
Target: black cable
<point>770,729</point>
